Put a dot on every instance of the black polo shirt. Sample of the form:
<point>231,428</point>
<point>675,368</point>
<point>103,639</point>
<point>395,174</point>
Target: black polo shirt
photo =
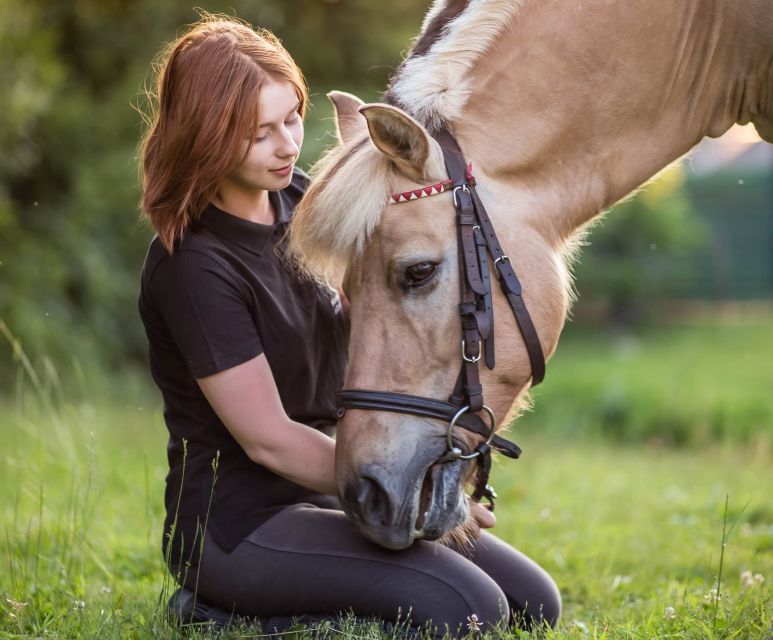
<point>223,297</point>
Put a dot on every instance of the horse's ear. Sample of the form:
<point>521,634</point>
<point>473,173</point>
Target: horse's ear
<point>349,122</point>
<point>402,139</point>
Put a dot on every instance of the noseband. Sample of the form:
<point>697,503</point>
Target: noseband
<point>476,241</point>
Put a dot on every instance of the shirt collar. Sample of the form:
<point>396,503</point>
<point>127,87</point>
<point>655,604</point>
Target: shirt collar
<point>250,236</point>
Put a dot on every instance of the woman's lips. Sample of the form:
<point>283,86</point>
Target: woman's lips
<point>283,171</point>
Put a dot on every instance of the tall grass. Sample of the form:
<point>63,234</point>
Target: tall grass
<point>633,534</point>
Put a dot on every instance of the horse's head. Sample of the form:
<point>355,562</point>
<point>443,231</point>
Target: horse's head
<point>401,274</point>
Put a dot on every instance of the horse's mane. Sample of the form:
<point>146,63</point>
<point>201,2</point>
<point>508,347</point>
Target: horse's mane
<point>335,219</point>
<point>433,83</point>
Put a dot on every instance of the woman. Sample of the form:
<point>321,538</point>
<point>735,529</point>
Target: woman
<point>248,356</point>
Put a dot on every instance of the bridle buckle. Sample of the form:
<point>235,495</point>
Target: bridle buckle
<point>465,357</point>
<point>464,188</point>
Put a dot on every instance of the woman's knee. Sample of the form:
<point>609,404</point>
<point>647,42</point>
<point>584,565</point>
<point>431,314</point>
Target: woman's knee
<point>543,605</point>
<point>531,592</point>
<point>460,604</point>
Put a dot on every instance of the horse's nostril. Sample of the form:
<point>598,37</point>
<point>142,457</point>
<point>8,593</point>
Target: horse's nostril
<point>370,500</point>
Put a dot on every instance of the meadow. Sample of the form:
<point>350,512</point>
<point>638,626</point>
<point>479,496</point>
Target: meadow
<point>644,489</point>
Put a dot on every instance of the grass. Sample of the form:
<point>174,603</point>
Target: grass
<point>687,384</point>
<point>633,532</point>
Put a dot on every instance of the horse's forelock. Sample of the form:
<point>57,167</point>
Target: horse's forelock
<point>341,208</point>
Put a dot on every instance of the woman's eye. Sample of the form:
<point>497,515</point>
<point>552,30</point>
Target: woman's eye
<point>420,273</point>
<point>261,138</point>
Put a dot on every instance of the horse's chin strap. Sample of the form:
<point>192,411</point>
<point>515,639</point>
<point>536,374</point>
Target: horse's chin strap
<point>476,241</point>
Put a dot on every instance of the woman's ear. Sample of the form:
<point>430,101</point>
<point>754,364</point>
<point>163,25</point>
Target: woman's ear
<point>349,122</point>
<point>402,139</point>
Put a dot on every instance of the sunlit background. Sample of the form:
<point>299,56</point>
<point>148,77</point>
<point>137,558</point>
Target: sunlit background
<point>656,407</point>
<point>71,242</point>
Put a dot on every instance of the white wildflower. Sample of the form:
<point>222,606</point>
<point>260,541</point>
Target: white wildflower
<point>473,624</point>
<point>749,579</point>
<point>16,607</point>
<point>712,597</point>
<point>580,626</point>
<point>78,605</point>
<point>105,589</point>
<point>669,613</point>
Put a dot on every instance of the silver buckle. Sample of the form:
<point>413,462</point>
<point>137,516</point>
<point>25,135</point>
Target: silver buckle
<point>463,188</point>
<point>464,353</point>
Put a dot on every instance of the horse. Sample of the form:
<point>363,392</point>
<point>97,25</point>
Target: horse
<point>562,109</point>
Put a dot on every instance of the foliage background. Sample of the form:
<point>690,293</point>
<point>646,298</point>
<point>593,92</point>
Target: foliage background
<point>72,242</point>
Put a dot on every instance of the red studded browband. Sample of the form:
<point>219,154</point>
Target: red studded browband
<point>431,190</point>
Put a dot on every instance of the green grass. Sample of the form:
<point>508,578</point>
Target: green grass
<point>627,529</point>
<point>683,384</point>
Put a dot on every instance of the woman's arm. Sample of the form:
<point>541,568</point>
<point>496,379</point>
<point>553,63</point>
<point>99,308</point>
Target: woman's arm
<point>246,399</point>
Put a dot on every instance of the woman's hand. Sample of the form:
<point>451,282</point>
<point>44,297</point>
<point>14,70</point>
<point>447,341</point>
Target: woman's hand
<point>481,517</point>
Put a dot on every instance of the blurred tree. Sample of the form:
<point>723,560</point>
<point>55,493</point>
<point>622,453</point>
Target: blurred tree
<point>627,265</point>
<point>71,243</point>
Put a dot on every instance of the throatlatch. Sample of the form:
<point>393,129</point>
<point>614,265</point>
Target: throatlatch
<point>476,242</point>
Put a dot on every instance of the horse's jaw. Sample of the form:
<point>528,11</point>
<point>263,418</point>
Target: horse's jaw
<point>394,506</point>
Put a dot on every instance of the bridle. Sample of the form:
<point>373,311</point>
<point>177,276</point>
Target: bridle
<point>476,242</point>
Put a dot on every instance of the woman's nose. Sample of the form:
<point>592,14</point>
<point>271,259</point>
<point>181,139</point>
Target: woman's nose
<point>288,146</point>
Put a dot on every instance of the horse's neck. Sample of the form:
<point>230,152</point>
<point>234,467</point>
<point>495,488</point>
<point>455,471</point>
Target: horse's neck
<point>582,102</point>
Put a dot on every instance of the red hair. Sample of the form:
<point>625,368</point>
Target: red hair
<point>204,106</point>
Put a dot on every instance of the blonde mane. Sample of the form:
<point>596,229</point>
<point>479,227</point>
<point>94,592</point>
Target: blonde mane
<point>434,87</point>
<point>336,217</point>
<point>338,214</point>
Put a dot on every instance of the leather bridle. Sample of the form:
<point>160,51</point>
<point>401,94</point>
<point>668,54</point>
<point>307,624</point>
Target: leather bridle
<point>476,241</point>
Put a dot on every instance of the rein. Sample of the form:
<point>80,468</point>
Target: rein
<point>477,241</point>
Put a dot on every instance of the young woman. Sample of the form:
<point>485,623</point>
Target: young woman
<point>248,356</point>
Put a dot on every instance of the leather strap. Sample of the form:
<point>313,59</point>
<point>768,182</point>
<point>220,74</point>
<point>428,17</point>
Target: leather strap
<point>511,287</point>
<point>485,304</point>
<point>508,281</point>
<point>465,220</point>
<point>424,407</point>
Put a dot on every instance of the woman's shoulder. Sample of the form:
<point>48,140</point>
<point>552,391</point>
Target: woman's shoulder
<point>193,254</point>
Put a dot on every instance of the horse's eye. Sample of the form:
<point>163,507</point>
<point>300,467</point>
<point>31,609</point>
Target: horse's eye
<point>418,274</point>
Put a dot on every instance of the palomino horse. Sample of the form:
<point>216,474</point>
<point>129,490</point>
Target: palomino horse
<point>562,108</point>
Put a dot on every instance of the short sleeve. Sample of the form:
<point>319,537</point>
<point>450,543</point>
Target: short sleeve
<point>207,311</point>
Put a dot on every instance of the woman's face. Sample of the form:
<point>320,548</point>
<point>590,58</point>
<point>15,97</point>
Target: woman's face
<point>274,151</point>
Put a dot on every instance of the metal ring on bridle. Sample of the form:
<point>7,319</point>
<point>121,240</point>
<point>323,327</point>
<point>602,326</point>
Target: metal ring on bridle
<point>502,259</point>
<point>463,188</point>
<point>452,424</point>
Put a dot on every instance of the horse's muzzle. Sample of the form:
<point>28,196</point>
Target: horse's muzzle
<point>424,501</point>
